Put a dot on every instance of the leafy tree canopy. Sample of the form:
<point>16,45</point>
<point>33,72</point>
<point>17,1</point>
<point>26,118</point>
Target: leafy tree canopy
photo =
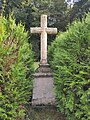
<point>29,12</point>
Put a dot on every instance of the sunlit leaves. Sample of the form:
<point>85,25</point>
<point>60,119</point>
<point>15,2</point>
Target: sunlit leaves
<point>69,56</point>
<point>16,68</point>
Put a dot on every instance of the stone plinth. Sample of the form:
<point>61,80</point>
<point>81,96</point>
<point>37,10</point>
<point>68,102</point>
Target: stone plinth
<point>43,88</point>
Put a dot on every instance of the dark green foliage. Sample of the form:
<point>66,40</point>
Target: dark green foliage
<point>69,55</point>
<point>16,68</point>
<point>79,10</point>
<point>29,12</point>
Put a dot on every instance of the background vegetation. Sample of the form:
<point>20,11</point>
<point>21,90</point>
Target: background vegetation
<point>29,12</point>
<point>69,56</point>
<point>16,68</point>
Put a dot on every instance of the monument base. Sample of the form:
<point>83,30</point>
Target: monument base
<point>43,87</point>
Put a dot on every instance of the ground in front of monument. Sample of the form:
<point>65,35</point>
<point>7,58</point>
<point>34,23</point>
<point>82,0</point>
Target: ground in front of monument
<point>44,113</point>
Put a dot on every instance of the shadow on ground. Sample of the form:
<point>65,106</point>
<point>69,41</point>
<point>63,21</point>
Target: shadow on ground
<point>44,113</point>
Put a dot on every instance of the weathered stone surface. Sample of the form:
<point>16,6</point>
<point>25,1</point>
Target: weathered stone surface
<point>44,68</point>
<point>43,91</point>
<point>44,30</point>
<point>43,87</point>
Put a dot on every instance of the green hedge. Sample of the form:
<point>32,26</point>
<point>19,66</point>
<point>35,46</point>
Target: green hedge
<point>69,56</point>
<point>16,69</point>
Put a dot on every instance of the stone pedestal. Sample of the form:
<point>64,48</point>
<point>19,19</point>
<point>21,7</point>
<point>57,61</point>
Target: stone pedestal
<point>43,88</point>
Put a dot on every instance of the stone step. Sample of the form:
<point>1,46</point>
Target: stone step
<point>43,74</point>
<point>44,68</point>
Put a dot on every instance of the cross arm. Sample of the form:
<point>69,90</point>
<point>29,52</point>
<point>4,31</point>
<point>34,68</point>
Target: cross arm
<point>36,30</point>
<point>51,30</point>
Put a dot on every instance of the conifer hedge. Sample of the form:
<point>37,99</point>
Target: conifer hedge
<point>69,56</point>
<point>16,68</point>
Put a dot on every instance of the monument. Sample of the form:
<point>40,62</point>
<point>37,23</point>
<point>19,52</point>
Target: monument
<point>44,30</point>
<point>43,88</point>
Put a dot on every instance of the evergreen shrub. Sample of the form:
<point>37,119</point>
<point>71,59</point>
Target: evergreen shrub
<point>16,68</point>
<point>69,56</point>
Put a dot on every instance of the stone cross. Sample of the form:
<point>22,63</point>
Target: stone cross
<point>43,30</point>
